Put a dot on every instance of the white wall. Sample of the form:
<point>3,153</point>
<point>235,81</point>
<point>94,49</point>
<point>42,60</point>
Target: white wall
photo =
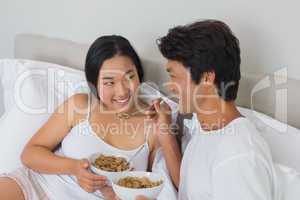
<point>268,30</point>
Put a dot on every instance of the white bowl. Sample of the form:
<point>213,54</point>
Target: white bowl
<point>109,175</point>
<point>125,193</point>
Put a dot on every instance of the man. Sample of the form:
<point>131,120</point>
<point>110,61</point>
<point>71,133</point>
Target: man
<point>226,159</point>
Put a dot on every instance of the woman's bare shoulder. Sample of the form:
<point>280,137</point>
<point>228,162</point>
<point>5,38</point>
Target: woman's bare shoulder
<point>77,106</point>
<point>79,99</point>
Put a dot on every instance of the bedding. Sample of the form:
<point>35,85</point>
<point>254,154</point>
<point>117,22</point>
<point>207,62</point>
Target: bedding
<point>282,139</point>
<point>32,90</point>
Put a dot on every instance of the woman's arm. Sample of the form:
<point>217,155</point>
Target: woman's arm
<point>167,140</point>
<point>38,153</point>
<point>172,155</point>
<point>154,146</point>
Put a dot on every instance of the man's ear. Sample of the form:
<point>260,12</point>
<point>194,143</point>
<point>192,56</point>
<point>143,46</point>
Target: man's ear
<point>208,77</point>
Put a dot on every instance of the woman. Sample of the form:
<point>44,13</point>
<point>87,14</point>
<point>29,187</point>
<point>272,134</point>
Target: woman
<point>107,120</point>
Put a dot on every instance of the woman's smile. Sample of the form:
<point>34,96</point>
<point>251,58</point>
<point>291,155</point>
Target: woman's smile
<point>122,101</point>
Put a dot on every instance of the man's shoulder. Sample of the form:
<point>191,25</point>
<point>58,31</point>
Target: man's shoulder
<point>244,139</point>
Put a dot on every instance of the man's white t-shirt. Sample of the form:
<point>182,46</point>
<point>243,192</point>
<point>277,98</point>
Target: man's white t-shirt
<point>233,163</point>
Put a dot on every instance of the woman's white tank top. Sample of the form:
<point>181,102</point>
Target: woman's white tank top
<point>80,143</point>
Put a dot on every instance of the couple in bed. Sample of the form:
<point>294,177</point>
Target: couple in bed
<point>226,159</point>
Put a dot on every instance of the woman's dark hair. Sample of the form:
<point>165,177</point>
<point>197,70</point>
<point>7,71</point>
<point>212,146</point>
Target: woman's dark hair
<point>104,48</point>
<point>206,46</point>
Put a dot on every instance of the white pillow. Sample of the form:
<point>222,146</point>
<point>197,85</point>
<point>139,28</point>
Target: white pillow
<point>12,69</point>
<point>9,71</point>
<point>283,139</point>
<point>38,88</point>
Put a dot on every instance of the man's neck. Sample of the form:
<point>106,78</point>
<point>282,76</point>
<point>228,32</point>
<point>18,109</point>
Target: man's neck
<point>215,115</point>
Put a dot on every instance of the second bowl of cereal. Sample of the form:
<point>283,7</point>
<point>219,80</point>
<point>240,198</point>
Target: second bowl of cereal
<point>129,185</point>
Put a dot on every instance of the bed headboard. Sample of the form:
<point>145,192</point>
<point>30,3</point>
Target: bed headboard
<point>53,50</point>
<point>275,95</point>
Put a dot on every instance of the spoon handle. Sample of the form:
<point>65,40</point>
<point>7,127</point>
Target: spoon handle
<point>136,153</point>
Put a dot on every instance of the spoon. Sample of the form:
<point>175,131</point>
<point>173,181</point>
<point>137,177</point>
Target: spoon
<point>136,153</point>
